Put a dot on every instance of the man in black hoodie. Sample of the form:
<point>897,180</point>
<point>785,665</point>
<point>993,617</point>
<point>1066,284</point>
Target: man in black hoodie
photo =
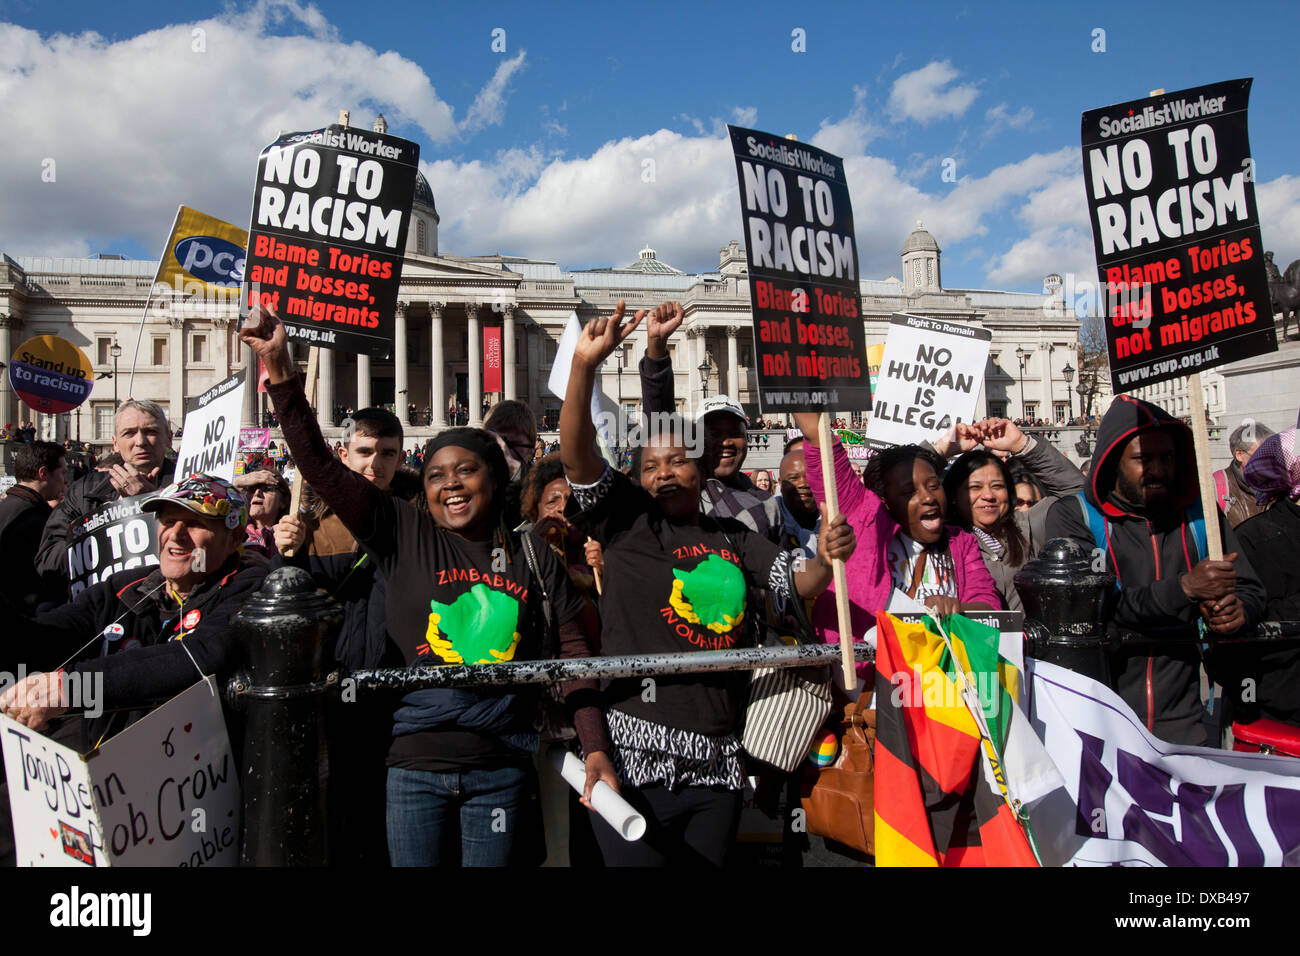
<point>1144,499</point>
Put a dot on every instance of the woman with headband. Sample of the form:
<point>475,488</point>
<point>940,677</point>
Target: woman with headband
<point>461,589</point>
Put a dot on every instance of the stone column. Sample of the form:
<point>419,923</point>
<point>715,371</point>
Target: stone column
<point>401,390</point>
<point>694,352</point>
<point>325,387</point>
<point>7,404</point>
<point>475,361</point>
<point>249,416</point>
<point>363,381</point>
<point>437,367</point>
<point>176,380</point>
<point>733,363</point>
<point>532,364</point>
<point>1048,411</point>
<point>508,353</point>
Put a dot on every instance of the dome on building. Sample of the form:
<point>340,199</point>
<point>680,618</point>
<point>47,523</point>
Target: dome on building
<point>920,241</point>
<point>424,196</point>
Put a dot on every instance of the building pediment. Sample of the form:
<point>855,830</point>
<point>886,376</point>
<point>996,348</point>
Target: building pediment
<point>435,268</point>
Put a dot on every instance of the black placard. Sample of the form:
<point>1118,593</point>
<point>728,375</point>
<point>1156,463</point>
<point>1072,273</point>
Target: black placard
<point>1171,196</point>
<point>115,538</point>
<point>327,232</point>
<point>809,341</point>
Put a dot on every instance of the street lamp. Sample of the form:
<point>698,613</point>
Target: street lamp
<point>703,369</point>
<point>1022,355</point>
<point>1068,373</point>
<point>116,352</point>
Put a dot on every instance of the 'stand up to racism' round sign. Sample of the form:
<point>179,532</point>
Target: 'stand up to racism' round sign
<point>51,374</point>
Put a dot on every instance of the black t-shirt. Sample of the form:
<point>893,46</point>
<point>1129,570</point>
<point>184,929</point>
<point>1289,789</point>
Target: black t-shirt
<point>670,588</point>
<point>453,601</point>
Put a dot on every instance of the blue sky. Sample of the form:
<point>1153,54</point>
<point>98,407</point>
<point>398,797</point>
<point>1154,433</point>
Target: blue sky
<point>542,149</point>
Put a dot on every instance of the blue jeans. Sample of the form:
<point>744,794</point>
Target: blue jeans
<point>469,818</point>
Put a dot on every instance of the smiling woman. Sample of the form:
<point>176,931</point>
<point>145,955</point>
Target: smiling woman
<point>676,580</point>
<point>461,589</point>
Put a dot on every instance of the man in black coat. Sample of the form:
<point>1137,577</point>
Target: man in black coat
<point>41,472</point>
<point>142,437</point>
<point>1138,510</point>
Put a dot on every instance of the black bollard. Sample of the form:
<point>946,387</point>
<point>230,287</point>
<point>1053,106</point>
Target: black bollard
<point>1065,601</point>
<point>287,628</point>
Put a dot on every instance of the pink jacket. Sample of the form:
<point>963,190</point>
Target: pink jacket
<point>867,570</point>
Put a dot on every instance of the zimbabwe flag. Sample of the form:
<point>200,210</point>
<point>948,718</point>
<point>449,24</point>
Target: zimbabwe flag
<point>939,789</point>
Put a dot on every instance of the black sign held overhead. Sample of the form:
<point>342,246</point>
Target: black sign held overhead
<point>810,345</point>
<point>331,209</point>
<point>1171,195</point>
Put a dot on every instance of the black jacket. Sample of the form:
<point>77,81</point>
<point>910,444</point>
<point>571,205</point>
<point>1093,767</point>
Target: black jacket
<point>23,513</point>
<point>1149,550</point>
<point>84,497</point>
<point>144,661</point>
<point>1272,541</point>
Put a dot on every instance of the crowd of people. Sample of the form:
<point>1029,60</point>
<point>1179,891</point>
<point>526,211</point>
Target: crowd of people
<point>489,545</point>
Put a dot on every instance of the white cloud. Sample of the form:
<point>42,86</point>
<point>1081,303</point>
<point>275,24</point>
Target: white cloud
<point>851,135</point>
<point>1000,118</point>
<point>924,95</point>
<point>489,107</point>
<point>676,192</point>
<point>1278,202</point>
<point>137,126</point>
<point>745,116</point>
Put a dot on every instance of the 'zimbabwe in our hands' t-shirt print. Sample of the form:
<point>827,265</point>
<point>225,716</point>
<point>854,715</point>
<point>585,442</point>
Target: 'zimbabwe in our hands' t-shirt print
<point>706,606</point>
<point>481,626</point>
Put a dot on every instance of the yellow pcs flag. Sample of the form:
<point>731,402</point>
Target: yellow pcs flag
<point>204,258</point>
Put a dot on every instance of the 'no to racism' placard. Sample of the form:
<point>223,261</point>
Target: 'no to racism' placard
<point>330,213</point>
<point>51,375</point>
<point>212,432</point>
<point>117,537</point>
<point>930,377</point>
<point>1171,195</point>
<point>810,346</point>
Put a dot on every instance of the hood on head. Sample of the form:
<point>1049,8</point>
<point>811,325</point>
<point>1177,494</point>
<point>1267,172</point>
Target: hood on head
<point>1126,418</point>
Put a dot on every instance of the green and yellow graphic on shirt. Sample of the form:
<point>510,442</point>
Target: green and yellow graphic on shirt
<point>712,595</point>
<point>479,627</point>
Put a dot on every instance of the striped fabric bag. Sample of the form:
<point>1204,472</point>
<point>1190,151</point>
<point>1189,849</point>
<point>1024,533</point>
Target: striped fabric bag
<point>786,708</point>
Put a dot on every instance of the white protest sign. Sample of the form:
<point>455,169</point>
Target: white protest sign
<point>1132,800</point>
<point>930,377</point>
<point>164,792</point>
<point>211,435</point>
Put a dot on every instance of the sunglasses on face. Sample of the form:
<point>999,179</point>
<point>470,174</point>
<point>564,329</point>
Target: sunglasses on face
<point>264,489</point>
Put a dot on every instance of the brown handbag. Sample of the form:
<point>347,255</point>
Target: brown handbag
<point>839,801</point>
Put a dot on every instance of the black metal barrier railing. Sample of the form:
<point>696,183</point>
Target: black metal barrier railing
<point>288,625</point>
<point>577,668</point>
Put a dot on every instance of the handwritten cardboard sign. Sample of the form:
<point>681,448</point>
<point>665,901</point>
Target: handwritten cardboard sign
<point>163,792</point>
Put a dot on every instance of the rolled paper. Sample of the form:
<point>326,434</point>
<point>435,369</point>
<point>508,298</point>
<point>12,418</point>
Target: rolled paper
<point>613,809</point>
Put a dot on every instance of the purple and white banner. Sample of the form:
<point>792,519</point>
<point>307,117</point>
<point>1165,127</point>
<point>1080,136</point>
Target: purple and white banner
<point>1132,800</point>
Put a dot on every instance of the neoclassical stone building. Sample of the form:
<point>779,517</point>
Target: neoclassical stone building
<point>446,300</point>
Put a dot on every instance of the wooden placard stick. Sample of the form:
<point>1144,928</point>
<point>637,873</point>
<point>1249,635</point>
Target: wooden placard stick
<point>295,498</point>
<point>1201,443</point>
<point>824,444</point>
<point>1204,476</point>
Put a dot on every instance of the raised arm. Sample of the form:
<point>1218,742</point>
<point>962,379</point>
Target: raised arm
<point>365,510</point>
<point>1052,469</point>
<point>597,341</point>
<point>657,392</point>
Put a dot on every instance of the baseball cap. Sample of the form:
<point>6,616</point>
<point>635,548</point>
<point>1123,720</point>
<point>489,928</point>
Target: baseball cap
<point>721,403</point>
<point>204,495</point>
